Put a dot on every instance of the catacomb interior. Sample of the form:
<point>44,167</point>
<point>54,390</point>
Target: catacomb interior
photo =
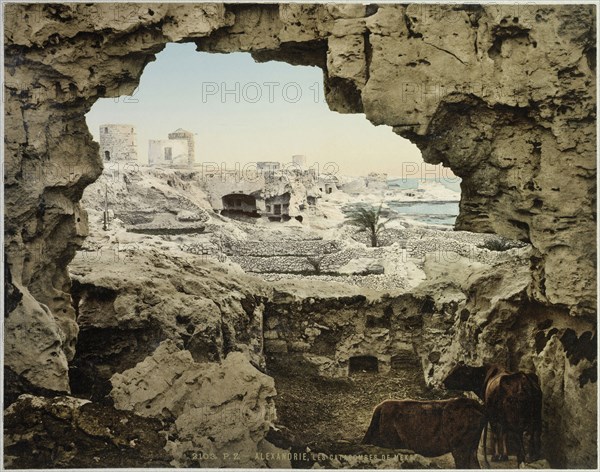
<point>504,95</point>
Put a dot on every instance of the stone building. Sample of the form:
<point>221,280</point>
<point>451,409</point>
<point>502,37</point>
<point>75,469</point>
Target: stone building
<point>299,161</point>
<point>277,206</point>
<point>273,194</point>
<point>118,142</point>
<point>240,203</point>
<point>327,184</point>
<point>168,152</point>
<point>177,151</point>
<point>180,133</point>
<point>268,166</point>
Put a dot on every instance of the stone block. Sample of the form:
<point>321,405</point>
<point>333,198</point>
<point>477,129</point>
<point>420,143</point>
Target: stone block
<point>275,346</point>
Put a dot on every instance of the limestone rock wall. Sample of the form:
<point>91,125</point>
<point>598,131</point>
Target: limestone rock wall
<point>504,95</point>
<point>484,315</point>
<point>58,62</point>
<point>220,412</point>
<point>127,305</point>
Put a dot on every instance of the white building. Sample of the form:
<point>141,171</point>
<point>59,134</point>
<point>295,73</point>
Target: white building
<point>327,184</point>
<point>168,152</point>
<point>180,133</point>
<point>299,161</point>
<point>177,151</point>
<point>267,166</point>
<point>118,143</point>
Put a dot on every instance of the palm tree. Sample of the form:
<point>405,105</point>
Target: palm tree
<point>316,262</point>
<point>367,219</point>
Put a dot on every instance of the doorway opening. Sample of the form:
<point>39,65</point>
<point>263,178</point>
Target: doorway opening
<point>363,364</point>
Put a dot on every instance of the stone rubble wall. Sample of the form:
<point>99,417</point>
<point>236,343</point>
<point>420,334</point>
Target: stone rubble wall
<point>292,257</point>
<point>328,332</point>
<point>282,248</point>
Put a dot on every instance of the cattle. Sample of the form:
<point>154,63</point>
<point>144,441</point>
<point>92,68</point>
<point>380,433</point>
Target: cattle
<point>430,428</point>
<point>513,402</point>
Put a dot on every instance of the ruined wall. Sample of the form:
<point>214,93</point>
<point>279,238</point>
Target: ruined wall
<point>178,155</point>
<point>189,137</point>
<point>327,333</point>
<point>466,310</point>
<point>504,95</point>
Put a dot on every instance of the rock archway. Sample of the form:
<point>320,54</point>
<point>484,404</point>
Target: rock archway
<point>504,95</point>
<point>239,202</point>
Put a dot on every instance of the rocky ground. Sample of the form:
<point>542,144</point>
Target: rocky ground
<point>205,294</point>
<point>519,127</point>
<point>163,202</point>
<point>234,364</point>
<point>333,422</point>
<point>339,410</point>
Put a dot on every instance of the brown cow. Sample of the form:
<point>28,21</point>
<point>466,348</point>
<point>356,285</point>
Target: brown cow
<point>430,428</point>
<point>513,403</point>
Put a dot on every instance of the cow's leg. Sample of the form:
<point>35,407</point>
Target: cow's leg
<point>537,434</point>
<point>521,452</point>
<point>462,458</point>
<point>532,453</point>
<point>535,448</point>
<point>495,442</point>
<point>473,460</point>
<point>503,444</point>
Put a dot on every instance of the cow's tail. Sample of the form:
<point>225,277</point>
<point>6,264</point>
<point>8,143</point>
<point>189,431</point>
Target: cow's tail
<point>485,430</point>
<point>371,433</point>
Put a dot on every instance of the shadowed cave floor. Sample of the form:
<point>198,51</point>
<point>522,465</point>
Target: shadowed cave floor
<point>332,415</point>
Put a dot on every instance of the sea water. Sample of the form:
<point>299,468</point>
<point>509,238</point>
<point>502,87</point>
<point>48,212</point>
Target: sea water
<point>407,183</point>
<point>430,212</point>
<point>439,213</point>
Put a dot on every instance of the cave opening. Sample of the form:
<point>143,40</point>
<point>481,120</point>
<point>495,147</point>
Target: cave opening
<point>363,364</point>
<point>226,117</point>
<point>513,157</point>
<point>227,122</point>
<point>239,203</point>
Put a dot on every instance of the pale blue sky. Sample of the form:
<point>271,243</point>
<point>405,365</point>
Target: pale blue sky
<point>186,89</point>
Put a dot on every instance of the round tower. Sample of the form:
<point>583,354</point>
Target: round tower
<point>118,143</point>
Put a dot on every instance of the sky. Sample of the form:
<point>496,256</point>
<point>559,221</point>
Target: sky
<point>243,112</point>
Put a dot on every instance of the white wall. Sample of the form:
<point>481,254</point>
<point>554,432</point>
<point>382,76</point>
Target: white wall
<point>179,152</point>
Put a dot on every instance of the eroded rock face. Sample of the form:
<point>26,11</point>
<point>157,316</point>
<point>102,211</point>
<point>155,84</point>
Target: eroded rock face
<point>33,345</point>
<point>130,300</point>
<point>504,95</point>
<point>505,98</point>
<point>221,411</point>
